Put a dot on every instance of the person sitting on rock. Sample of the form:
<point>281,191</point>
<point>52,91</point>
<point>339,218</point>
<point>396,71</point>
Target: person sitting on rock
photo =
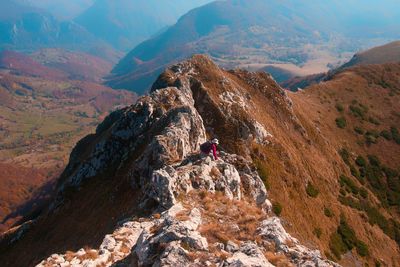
<point>209,146</point>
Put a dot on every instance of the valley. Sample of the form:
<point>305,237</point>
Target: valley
<point>43,113</point>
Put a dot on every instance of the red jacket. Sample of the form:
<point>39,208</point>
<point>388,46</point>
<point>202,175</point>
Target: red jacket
<point>207,147</point>
<point>214,150</point>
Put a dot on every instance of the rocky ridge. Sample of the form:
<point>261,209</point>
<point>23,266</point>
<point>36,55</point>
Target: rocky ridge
<point>155,143</point>
<point>171,238</point>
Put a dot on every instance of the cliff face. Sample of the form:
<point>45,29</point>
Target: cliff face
<point>137,192</point>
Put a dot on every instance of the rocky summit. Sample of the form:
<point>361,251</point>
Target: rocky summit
<point>139,193</point>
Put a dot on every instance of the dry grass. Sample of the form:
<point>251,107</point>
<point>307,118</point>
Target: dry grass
<point>69,255</point>
<point>278,259</point>
<point>215,173</point>
<point>226,219</point>
<point>183,215</point>
<point>91,254</point>
<point>125,249</point>
<point>155,228</point>
<point>290,243</point>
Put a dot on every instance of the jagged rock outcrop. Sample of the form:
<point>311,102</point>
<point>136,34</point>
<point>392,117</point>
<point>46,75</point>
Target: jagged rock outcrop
<point>170,238</point>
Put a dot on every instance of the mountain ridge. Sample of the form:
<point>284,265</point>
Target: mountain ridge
<point>141,156</point>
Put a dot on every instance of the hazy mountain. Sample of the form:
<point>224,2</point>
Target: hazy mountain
<point>254,33</point>
<point>63,9</point>
<point>378,55</point>
<point>125,23</point>
<point>27,28</point>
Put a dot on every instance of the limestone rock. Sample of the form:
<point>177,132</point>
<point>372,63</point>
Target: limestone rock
<point>249,255</point>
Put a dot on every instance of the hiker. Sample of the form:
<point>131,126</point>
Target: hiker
<point>209,146</point>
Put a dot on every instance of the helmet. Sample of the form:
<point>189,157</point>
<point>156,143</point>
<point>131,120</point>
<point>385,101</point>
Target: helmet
<point>215,141</point>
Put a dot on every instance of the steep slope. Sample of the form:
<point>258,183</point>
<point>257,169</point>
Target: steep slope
<point>387,53</point>
<point>43,114</point>
<point>17,189</point>
<point>357,112</point>
<point>142,194</point>
<point>307,35</point>
<point>125,23</point>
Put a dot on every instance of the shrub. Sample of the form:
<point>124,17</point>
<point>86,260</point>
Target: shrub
<point>347,234</point>
<point>374,121</point>
<point>386,134</point>
<point>374,161</point>
<point>341,122</point>
<point>362,248</point>
<point>277,208</point>
<point>342,192</point>
<point>311,190</point>
<point>336,245</point>
<point>359,130</point>
<point>345,155</point>
<point>364,192</point>
<point>339,107</point>
<point>347,182</point>
<point>370,139</point>
<point>356,174</point>
<point>317,232</point>
<point>395,134</point>
<point>263,173</point>
<point>360,161</point>
<point>358,111</point>
<point>328,212</point>
<point>350,202</point>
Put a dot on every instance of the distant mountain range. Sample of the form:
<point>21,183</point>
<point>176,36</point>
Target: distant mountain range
<point>252,34</point>
<point>62,9</point>
<point>125,23</point>
<point>27,28</point>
